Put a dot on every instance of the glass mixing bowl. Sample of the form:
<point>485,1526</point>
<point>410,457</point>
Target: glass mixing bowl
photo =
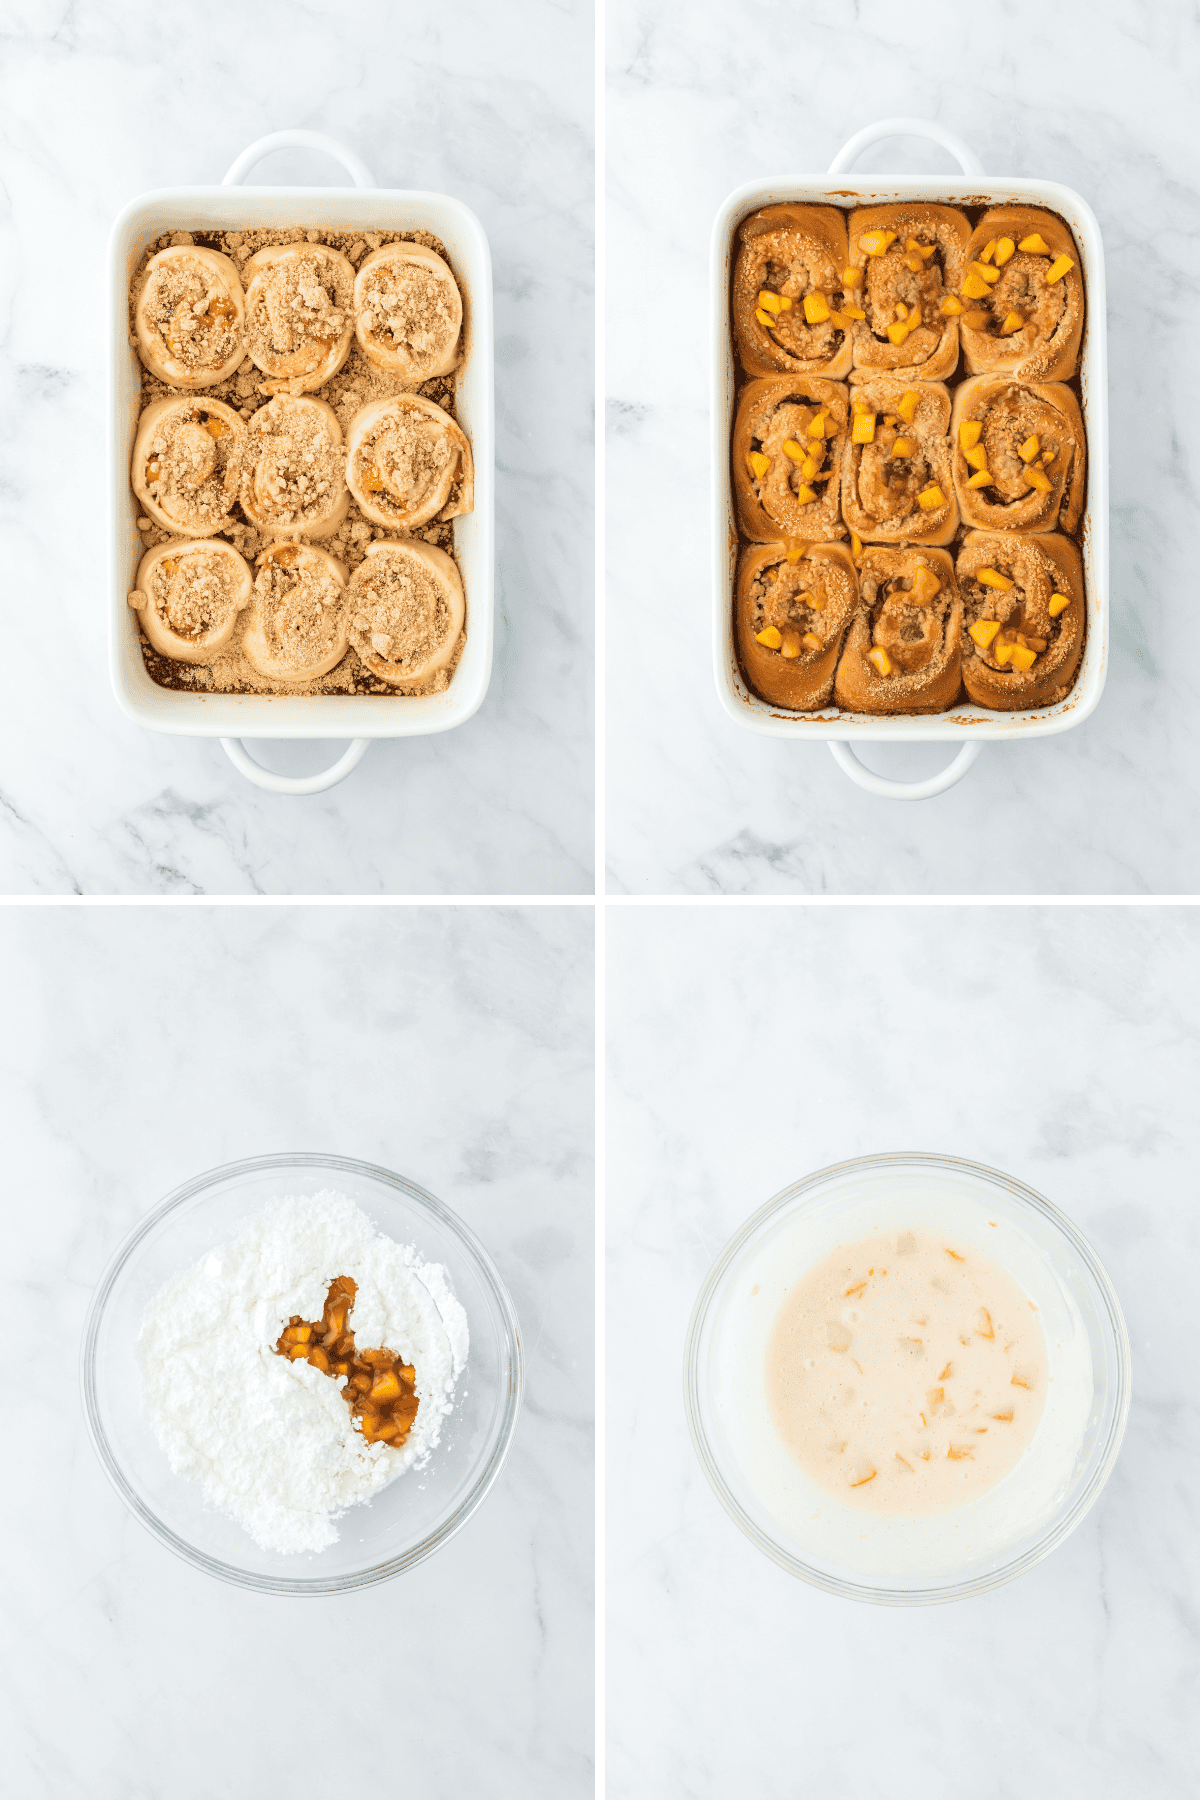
<point>848,1200</point>
<point>409,1520</point>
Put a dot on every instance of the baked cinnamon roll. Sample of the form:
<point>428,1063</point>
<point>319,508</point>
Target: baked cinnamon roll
<point>1022,296</point>
<point>185,464</point>
<point>791,612</point>
<point>408,311</point>
<point>188,597</point>
<point>1019,454</point>
<point>1023,618</point>
<point>910,259</point>
<point>903,652</point>
<point>793,310</point>
<point>406,608</point>
<point>787,448</point>
<point>293,469</point>
<point>897,482</point>
<point>299,315</point>
<point>188,317</point>
<point>407,462</point>
<point>297,630</point>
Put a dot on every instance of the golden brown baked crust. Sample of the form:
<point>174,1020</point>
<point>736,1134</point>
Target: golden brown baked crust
<point>881,488</point>
<point>918,631</point>
<point>900,276</point>
<point>1038,567</point>
<point>1046,346</point>
<point>1010,414</point>
<point>802,594</point>
<point>792,251</point>
<point>770,501</point>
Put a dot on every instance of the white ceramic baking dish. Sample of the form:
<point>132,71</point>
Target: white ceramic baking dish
<point>968,727</point>
<point>231,717</point>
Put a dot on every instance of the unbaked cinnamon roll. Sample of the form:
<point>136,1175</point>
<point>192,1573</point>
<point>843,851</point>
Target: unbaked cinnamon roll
<point>185,464</point>
<point>188,316</point>
<point>299,315</point>
<point>787,450</point>
<point>903,652</point>
<point>1023,617</point>
<point>406,608</point>
<point>297,630</point>
<point>795,302</point>
<point>897,482</point>
<point>910,260</point>
<point>1019,454</point>
<point>407,462</point>
<point>188,597</point>
<point>408,311</point>
<point>791,611</point>
<point>293,469</point>
<point>1022,296</point>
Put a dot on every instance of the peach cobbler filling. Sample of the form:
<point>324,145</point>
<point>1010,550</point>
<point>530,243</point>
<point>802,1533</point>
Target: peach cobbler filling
<point>379,1386</point>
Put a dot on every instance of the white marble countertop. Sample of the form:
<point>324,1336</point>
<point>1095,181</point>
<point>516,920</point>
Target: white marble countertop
<point>102,104</point>
<point>749,1047</point>
<point>1098,97</point>
<point>143,1045</point>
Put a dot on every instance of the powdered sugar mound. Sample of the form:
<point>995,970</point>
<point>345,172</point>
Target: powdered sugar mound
<point>272,1441</point>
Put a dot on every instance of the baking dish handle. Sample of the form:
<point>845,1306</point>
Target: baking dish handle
<point>298,140</point>
<point>235,750</point>
<point>967,160</point>
<point>866,778</point>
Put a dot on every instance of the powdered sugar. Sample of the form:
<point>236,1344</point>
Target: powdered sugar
<point>272,1441</point>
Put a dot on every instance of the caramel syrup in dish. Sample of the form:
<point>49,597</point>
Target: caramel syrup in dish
<point>379,1386</point>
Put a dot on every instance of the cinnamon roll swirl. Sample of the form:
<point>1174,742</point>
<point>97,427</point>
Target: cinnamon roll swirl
<point>795,301</point>
<point>408,462</point>
<point>791,612</point>
<point>903,653</point>
<point>185,464</point>
<point>188,597</point>
<point>406,611</point>
<point>910,259</point>
<point>897,483</point>
<point>1023,613</point>
<point>1022,296</point>
<point>188,317</point>
<point>787,449</point>
<point>1019,454</point>
<point>293,469</point>
<point>299,315</point>
<point>408,311</point>
<point>297,629</point>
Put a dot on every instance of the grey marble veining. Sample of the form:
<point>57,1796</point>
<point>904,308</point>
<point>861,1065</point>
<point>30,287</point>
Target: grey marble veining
<point>99,104</point>
<point>144,1045</point>
<point>1097,96</point>
<point>749,1046</point>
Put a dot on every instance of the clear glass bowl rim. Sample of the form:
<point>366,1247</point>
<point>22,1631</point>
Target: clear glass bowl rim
<point>1061,1527</point>
<point>301,1585</point>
